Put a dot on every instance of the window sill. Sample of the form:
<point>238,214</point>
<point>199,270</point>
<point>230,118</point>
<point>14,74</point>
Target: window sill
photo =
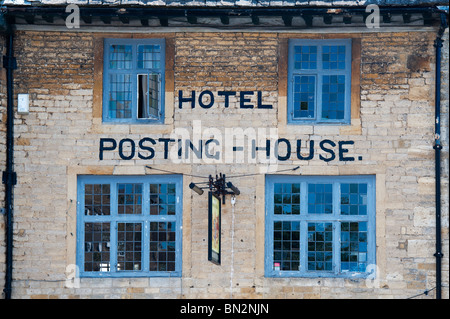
<point>306,122</point>
<point>131,274</point>
<point>98,126</point>
<point>291,274</point>
<point>133,122</point>
<point>303,128</point>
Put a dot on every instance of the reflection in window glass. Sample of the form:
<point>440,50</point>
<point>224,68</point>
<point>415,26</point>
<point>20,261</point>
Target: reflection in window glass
<point>354,199</point>
<point>333,233</point>
<point>287,199</point>
<point>149,56</point>
<point>354,246</point>
<point>120,96</point>
<point>129,246</point>
<point>319,81</point>
<point>305,57</point>
<point>304,96</point>
<point>121,57</point>
<point>129,226</point>
<point>97,199</point>
<point>162,199</point>
<point>333,96</point>
<point>162,246</point>
<point>320,198</point>
<point>320,246</point>
<point>333,57</point>
<point>96,246</point>
<point>286,245</point>
<point>133,80</point>
<point>129,198</point>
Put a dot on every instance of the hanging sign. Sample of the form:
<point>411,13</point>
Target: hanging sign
<point>214,228</point>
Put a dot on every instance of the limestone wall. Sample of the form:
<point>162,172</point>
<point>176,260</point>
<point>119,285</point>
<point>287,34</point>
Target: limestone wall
<point>392,129</point>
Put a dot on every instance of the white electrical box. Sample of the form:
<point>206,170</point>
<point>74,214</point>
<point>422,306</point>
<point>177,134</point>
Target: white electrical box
<point>23,105</point>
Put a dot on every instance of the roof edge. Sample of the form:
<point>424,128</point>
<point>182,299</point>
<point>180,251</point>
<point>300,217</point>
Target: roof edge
<point>224,3</point>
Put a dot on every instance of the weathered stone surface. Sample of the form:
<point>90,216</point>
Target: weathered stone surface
<point>59,138</point>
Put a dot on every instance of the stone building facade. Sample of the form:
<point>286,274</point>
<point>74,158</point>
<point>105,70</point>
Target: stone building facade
<point>225,97</point>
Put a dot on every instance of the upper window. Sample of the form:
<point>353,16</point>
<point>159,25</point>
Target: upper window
<point>319,81</point>
<point>320,226</point>
<point>129,226</point>
<point>133,83</point>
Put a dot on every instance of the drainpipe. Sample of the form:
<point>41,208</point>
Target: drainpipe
<point>9,177</point>
<point>438,147</point>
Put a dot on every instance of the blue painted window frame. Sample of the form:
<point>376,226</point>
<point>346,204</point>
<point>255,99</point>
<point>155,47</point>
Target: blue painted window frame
<point>336,218</point>
<point>114,218</point>
<point>134,71</point>
<point>318,73</point>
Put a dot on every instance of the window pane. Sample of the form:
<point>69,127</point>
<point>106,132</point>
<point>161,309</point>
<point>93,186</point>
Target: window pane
<point>162,246</point>
<point>286,246</point>
<point>149,56</point>
<point>129,198</point>
<point>120,96</point>
<point>129,246</point>
<point>333,57</point>
<point>120,57</point>
<point>354,246</point>
<point>304,96</point>
<point>353,199</point>
<point>305,57</point>
<point>162,199</point>
<point>96,247</point>
<point>287,199</point>
<point>320,199</point>
<point>333,97</point>
<point>97,199</point>
<point>320,246</point>
<point>318,74</point>
<point>148,96</point>
<point>332,251</point>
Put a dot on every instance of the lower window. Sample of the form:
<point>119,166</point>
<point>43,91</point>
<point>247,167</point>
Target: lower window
<point>320,226</point>
<point>129,226</point>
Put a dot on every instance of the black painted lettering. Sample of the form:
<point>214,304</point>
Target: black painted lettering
<point>166,142</point>
<point>106,148</point>
<point>144,147</point>
<point>288,149</point>
<point>211,99</point>
<point>180,148</point>
<point>132,149</point>
<point>227,94</point>
<point>182,99</point>
<point>330,151</point>
<point>260,105</point>
<point>299,149</point>
<point>343,150</point>
<point>244,100</point>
